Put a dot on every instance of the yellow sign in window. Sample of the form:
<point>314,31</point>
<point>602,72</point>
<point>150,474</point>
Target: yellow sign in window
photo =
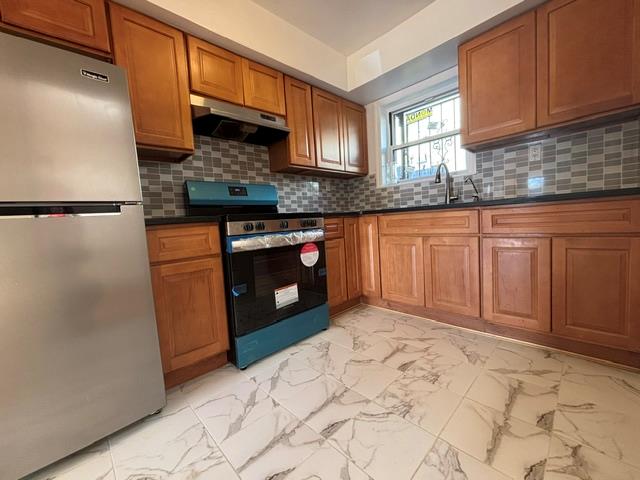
<point>414,117</point>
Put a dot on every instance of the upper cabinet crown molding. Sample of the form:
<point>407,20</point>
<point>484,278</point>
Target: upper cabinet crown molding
<point>214,71</point>
<point>82,22</point>
<point>498,81</point>
<point>568,62</point>
<point>155,57</point>
<point>588,56</point>
<point>263,87</point>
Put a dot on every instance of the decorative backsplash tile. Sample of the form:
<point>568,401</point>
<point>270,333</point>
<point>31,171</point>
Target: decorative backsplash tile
<point>603,158</point>
<point>222,160</point>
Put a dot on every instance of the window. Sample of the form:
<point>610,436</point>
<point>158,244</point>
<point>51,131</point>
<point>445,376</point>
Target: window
<point>422,136</point>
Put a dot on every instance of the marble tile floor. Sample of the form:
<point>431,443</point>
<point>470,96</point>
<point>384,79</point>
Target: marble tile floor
<point>385,396</point>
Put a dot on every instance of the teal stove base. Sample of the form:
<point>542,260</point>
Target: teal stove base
<point>256,345</point>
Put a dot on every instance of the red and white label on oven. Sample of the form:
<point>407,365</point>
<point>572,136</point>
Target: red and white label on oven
<point>309,254</point>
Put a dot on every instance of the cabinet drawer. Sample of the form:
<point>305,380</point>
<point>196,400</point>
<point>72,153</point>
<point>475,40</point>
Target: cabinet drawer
<point>429,223</point>
<point>618,216</point>
<point>333,228</point>
<point>174,243</point>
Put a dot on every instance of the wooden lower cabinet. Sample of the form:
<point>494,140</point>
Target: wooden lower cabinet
<point>336,272</point>
<point>452,274</point>
<point>369,255</point>
<point>352,254</point>
<point>189,297</point>
<point>402,269</point>
<point>517,282</point>
<point>596,290</point>
<point>190,310</point>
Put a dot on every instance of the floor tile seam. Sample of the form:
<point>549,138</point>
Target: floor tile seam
<point>213,440</point>
<point>570,438</point>
<point>598,361</point>
<point>113,462</point>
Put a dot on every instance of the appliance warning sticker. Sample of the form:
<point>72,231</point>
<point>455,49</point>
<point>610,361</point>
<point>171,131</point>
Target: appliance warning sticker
<point>309,254</point>
<point>286,295</point>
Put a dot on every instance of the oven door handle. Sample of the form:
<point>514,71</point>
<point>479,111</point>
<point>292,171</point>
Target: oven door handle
<point>273,240</point>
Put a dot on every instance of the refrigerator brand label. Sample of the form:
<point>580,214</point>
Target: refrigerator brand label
<point>286,295</point>
<point>100,77</point>
<point>309,254</point>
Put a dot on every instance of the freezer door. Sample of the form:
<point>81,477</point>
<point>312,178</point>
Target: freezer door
<point>66,133</point>
<point>79,354</point>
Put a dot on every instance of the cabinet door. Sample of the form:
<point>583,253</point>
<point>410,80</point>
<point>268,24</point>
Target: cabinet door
<point>452,274</point>
<point>402,269</point>
<point>83,22</point>
<point>302,149</point>
<point>588,58</point>
<point>327,121</point>
<point>214,71</point>
<point>354,135</point>
<point>336,272</point>
<point>263,87</point>
<point>596,290</point>
<point>516,282</point>
<point>155,57</point>
<point>352,249</point>
<point>190,311</point>
<point>498,81</point>
<point>369,256</point>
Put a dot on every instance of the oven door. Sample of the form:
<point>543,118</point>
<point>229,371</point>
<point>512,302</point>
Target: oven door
<point>273,282</point>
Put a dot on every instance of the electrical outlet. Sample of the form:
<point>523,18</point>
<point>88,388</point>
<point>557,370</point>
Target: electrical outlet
<point>535,152</point>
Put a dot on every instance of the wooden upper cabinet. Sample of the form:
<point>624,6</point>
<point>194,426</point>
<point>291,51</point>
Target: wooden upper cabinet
<point>155,57</point>
<point>352,250</point>
<point>354,134</point>
<point>596,290</point>
<point>301,142</point>
<point>402,269</point>
<point>516,282</point>
<point>369,255</point>
<point>327,120</point>
<point>190,310</point>
<point>263,87</point>
<point>452,274</point>
<point>215,72</point>
<point>83,22</point>
<point>335,255</point>
<point>497,73</point>
<point>588,58</point>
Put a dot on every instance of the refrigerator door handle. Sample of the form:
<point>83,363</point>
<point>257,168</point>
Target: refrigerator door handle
<point>58,211</point>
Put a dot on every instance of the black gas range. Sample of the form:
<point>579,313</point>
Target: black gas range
<point>275,269</point>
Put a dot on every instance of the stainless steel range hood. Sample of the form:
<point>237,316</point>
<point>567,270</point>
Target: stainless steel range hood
<point>214,118</point>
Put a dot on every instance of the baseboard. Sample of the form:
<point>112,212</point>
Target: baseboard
<point>182,375</point>
<point>601,352</point>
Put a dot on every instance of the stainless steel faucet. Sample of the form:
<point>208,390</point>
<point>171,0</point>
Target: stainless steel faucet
<point>449,195</point>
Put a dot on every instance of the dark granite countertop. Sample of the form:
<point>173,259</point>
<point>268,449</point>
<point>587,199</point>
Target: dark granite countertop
<point>491,203</point>
<point>482,203</point>
<point>182,219</point>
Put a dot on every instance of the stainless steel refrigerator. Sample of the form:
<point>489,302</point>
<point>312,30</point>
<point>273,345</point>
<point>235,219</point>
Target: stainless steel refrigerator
<point>79,355</point>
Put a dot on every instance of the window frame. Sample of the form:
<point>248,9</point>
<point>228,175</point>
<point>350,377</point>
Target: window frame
<point>440,85</point>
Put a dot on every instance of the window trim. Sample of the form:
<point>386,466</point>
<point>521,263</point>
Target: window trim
<point>380,111</point>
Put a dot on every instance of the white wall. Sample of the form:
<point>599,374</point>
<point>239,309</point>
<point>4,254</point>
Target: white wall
<point>246,28</point>
<point>418,48</point>
<point>433,26</point>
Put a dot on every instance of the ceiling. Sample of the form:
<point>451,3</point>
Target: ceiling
<point>344,25</point>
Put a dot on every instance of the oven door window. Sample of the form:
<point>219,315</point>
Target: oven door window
<point>274,284</point>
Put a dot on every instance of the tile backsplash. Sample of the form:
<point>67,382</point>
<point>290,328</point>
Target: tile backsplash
<point>603,158</point>
<point>222,160</point>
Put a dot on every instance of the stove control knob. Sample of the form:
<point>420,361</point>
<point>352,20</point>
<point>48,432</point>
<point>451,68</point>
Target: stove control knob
<point>248,227</point>
<point>313,223</point>
<point>284,224</point>
<point>260,226</point>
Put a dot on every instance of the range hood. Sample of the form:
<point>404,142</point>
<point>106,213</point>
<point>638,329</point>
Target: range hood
<point>214,118</point>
